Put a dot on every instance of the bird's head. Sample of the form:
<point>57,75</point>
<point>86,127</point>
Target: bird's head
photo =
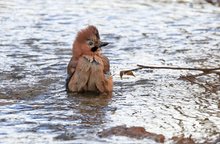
<point>89,39</point>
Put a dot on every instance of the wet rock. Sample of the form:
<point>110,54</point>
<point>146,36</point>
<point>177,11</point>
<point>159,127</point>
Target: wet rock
<point>214,2</point>
<point>132,132</point>
<point>65,136</point>
<point>182,140</point>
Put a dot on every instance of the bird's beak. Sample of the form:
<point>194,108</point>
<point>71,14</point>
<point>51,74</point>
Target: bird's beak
<point>102,44</point>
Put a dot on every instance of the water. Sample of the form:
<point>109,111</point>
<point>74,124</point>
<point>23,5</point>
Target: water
<point>35,48</point>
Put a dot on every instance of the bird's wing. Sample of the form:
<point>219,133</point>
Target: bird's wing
<point>106,64</point>
<point>101,74</point>
<point>81,76</point>
<point>71,66</point>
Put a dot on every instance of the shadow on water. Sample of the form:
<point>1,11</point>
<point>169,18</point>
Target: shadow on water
<point>87,113</point>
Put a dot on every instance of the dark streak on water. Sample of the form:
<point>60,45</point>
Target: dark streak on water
<point>35,47</point>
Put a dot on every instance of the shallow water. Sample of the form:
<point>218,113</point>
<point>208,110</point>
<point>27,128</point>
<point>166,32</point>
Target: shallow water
<point>35,47</point>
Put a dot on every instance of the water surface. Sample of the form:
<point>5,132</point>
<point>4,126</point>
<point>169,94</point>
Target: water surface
<point>35,47</point>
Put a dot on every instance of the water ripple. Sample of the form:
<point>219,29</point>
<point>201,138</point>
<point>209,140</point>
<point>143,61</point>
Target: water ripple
<point>35,47</point>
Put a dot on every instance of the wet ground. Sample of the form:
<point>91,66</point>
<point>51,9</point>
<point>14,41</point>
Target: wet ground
<point>35,47</point>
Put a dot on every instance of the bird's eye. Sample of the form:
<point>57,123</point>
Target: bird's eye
<point>90,43</point>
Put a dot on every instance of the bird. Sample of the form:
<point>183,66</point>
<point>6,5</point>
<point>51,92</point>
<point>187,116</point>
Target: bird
<point>89,69</point>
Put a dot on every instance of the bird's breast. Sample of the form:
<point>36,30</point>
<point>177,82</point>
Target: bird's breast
<point>89,75</point>
<point>94,59</point>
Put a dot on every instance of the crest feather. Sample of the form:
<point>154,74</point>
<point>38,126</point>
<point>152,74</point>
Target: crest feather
<point>86,33</point>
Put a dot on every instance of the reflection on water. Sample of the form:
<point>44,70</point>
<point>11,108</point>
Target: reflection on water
<point>35,47</point>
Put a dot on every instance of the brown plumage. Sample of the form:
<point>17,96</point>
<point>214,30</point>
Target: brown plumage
<point>89,69</point>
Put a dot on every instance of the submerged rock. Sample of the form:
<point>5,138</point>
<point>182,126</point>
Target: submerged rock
<point>65,136</point>
<point>182,140</point>
<point>132,132</point>
<point>214,2</point>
